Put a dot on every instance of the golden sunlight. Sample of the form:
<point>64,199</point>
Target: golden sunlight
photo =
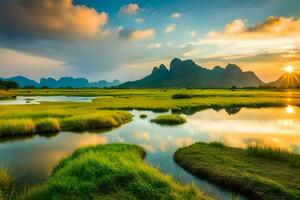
<point>289,110</point>
<point>289,69</point>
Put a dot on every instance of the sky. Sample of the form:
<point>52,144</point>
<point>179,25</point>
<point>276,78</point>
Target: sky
<point>120,39</point>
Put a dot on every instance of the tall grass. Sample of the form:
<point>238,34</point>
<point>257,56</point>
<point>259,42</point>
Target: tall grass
<point>17,127</point>
<point>5,184</point>
<point>47,125</point>
<point>172,119</point>
<point>95,121</point>
<point>114,171</point>
<point>274,154</point>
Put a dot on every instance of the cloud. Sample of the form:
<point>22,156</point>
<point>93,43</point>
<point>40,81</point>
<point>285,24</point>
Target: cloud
<point>49,18</point>
<point>130,9</point>
<point>175,15</point>
<point>153,46</point>
<point>15,62</point>
<point>275,34</point>
<point>139,20</point>
<point>141,34</point>
<point>190,53</point>
<point>193,33</point>
<point>170,28</point>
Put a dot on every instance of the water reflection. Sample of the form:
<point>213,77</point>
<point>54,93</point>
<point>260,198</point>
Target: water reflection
<point>38,99</point>
<point>32,159</point>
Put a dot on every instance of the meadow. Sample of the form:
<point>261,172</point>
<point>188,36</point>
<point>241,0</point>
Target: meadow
<point>257,175</point>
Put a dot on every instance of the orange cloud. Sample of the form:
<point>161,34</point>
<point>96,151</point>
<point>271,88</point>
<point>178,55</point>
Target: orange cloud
<point>142,34</point>
<point>51,18</point>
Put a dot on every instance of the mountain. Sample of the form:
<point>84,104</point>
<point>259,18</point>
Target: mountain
<point>22,81</point>
<point>186,73</point>
<point>62,82</point>
<point>288,80</point>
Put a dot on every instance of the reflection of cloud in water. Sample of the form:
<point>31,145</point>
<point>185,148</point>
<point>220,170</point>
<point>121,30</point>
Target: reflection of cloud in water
<point>175,142</point>
<point>141,135</point>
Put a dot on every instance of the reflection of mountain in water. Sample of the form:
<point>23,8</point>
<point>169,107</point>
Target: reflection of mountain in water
<point>232,111</point>
<point>191,110</point>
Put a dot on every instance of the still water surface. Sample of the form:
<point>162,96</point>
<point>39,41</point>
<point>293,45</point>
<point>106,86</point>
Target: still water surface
<point>38,99</point>
<point>31,160</point>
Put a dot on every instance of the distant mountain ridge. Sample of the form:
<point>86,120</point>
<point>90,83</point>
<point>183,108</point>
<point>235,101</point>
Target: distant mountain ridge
<point>186,73</point>
<point>62,82</point>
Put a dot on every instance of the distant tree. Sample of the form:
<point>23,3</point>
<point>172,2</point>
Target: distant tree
<point>6,85</point>
<point>29,87</point>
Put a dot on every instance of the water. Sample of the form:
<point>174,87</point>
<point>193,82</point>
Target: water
<point>37,99</point>
<point>32,159</point>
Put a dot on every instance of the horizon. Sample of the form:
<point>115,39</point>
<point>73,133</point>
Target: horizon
<point>125,40</point>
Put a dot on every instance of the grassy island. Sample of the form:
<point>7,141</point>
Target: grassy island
<point>169,119</point>
<point>251,172</point>
<point>113,171</point>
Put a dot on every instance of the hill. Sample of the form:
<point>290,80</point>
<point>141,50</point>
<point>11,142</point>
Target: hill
<point>188,74</point>
<point>288,80</point>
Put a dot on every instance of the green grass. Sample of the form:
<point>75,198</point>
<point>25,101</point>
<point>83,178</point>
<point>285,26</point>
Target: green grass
<point>97,120</point>
<point>274,154</point>
<point>169,119</point>
<point>47,125</point>
<point>17,127</point>
<point>5,184</point>
<point>114,171</point>
<point>256,177</point>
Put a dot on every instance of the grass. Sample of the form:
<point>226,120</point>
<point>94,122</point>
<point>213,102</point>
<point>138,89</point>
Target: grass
<point>5,184</point>
<point>47,125</point>
<point>17,127</point>
<point>98,120</point>
<point>169,119</point>
<point>4,94</point>
<point>256,177</point>
<point>274,154</point>
<point>113,171</point>
<point>95,121</point>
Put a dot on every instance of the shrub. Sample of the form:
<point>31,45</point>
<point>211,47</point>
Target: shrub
<point>47,125</point>
<point>143,116</point>
<point>181,96</point>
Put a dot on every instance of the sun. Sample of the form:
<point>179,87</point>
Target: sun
<point>289,69</point>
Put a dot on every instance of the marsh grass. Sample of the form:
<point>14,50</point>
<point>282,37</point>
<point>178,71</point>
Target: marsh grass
<point>172,119</point>
<point>217,144</point>
<point>95,121</point>
<point>5,184</point>
<point>17,127</point>
<point>114,171</point>
<point>47,126</point>
<point>256,177</point>
<point>277,154</point>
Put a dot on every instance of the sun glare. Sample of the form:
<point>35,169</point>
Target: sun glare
<point>289,69</point>
<point>289,110</point>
